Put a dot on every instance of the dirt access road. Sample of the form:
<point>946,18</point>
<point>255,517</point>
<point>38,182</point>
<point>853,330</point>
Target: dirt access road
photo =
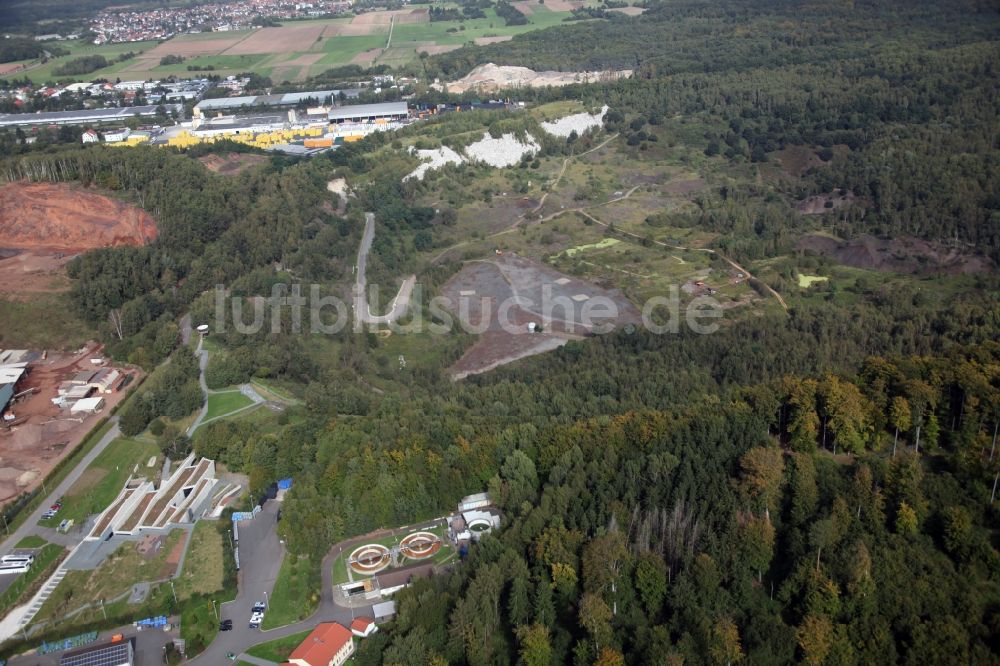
<point>362,310</point>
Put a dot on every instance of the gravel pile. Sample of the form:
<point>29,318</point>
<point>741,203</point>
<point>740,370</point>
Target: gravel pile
<point>578,122</point>
<point>435,159</point>
<point>503,152</point>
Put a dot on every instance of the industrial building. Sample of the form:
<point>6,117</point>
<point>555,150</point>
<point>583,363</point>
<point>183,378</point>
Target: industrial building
<point>13,368</point>
<point>84,117</point>
<point>120,653</point>
<point>287,99</point>
<point>369,113</point>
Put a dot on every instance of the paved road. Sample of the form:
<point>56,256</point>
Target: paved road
<point>362,310</point>
<point>261,553</point>
<point>202,364</point>
<point>30,526</point>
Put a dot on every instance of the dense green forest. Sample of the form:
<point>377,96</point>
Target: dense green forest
<point>697,536</point>
<point>805,485</point>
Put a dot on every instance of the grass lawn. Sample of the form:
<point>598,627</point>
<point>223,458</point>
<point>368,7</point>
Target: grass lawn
<point>113,577</point>
<point>203,566</point>
<point>45,321</point>
<point>296,592</point>
<point>33,541</point>
<point>100,483</point>
<point>220,404</point>
<point>806,281</point>
<point>203,581</point>
<point>46,559</point>
<point>278,649</point>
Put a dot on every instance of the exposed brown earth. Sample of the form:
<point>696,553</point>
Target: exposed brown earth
<point>367,57</point>
<point>629,11</point>
<point>42,434</point>
<point>899,255</point>
<point>438,48</point>
<point>54,217</point>
<point>825,203</point>
<point>191,46</point>
<point>27,274</point>
<point>286,39</point>
<point>498,297</point>
<point>483,41</point>
<point>684,186</point>
<point>232,163</point>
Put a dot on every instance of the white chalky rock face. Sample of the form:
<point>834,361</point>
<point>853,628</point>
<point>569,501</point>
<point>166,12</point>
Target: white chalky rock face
<point>435,159</point>
<point>503,152</point>
<point>578,122</point>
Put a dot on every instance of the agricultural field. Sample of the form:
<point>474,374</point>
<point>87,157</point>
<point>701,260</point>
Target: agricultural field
<point>300,49</point>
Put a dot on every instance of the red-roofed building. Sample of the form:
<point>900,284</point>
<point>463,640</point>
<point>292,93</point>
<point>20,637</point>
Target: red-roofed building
<point>363,627</point>
<point>329,644</point>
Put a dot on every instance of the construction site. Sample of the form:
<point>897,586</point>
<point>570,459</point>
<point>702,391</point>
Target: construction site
<point>49,401</point>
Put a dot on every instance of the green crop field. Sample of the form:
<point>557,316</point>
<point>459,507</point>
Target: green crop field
<point>366,33</point>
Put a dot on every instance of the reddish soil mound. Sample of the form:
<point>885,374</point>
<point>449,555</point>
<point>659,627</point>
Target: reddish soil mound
<point>59,218</point>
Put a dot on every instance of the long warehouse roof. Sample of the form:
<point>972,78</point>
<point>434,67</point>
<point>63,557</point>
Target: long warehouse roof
<point>369,110</point>
<point>84,116</point>
<point>286,99</point>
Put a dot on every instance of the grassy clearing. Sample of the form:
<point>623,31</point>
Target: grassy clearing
<point>199,621</point>
<point>600,245</point>
<point>806,281</point>
<point>113,577</point>
<point>25,585</point>
<point>220,404</point>
<point>45,321</point>
<point>33,541</point>
<point>296,593</point>
<point>203,567</point>
<point>100,483</point>
<point>278,649</point>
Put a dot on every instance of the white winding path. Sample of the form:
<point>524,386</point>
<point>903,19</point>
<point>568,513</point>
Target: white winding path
<point>362,310</point>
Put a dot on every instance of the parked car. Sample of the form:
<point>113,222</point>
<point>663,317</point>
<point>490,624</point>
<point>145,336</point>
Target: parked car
<point>259,607</point>
<point>255,620</point>
<point>226,625</point>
